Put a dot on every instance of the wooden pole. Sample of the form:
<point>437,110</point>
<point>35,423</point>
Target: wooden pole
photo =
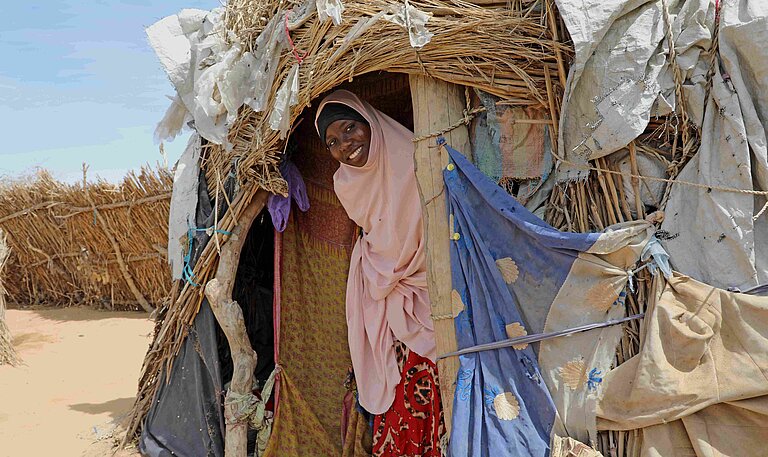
<point>437,105</point>
<point>230,317</point>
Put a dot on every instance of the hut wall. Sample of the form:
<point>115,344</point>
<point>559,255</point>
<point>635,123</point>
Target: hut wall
<point>62,254</point>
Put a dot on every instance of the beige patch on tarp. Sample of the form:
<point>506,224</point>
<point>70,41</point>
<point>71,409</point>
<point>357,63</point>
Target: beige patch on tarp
<point>574,374</point>
<point>506,406</point>
<point>457,304</point>
<point>602,295</point>
<point>516,330</point>
<point>508,269</point>
<point>569,447</point>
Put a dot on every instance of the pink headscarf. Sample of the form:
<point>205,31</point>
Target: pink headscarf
<point>387,295</point>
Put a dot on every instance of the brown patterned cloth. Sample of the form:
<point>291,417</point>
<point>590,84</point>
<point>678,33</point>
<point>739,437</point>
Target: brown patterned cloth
<point>312,349</point>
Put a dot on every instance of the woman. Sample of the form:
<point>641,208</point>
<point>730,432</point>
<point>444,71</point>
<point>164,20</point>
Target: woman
<point>391,337</point>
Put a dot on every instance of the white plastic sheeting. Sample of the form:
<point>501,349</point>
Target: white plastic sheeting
<point>330,9</point>
<point>620,75</point>
<point>183,203</point>
<point>174,120</point>
<point>287,96</point>
<point>212,74</point>
<point>413,20</point>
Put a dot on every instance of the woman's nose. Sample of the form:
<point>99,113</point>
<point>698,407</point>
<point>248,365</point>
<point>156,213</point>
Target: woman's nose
<point>346,141</point>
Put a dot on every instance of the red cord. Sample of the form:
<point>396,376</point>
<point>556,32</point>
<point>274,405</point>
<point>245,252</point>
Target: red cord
<point>300,55</point>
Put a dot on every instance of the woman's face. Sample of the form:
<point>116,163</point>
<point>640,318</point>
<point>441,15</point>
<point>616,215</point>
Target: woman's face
<point>349,141</point>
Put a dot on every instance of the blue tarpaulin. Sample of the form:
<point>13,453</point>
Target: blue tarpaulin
<point>508,268</point>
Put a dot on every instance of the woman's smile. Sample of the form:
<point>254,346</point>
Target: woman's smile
<point>356,153</point>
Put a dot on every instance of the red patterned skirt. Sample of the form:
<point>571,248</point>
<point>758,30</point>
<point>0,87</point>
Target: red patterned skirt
<point>413,425</point>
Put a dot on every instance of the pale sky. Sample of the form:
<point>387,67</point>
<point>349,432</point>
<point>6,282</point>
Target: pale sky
<point>80,83</point>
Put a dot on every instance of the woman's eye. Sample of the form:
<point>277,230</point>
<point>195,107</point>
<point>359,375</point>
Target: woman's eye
<point>349,127</point>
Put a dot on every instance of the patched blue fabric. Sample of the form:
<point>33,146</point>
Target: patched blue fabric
<point>502,406</point>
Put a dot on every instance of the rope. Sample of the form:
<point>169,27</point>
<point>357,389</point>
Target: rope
<point>187,274</point>
<point>442,317</point>
<point>528,339</point>
<point>680,101</point>
<point>674,168</point>
<point>763,193</point>
<point>468,116</point>
<point>666,180</point>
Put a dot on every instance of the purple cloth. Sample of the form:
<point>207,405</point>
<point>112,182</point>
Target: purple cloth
<point>280,207</point>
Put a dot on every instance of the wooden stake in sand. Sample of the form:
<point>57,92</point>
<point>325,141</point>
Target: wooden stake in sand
<point>7,352</point>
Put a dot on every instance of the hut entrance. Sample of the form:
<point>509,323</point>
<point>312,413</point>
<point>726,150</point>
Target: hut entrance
<point>254,292</point>
<point>312,266</point>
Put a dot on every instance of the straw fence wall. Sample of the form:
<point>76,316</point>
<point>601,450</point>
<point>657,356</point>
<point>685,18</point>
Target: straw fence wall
<point>86,243</point>
<point>7,352</point>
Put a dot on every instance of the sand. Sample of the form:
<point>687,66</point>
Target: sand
<point>77,380</point>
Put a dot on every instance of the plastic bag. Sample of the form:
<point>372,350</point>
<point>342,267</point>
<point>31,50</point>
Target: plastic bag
<point>414,20</point>
<point>174,120</point>
<point>287,96</point>
<point>268,46</point>
<point>330,9</point>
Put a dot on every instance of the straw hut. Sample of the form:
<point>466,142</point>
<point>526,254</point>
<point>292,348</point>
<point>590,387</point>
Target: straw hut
<point>521,79</point>
<point>7,352</point>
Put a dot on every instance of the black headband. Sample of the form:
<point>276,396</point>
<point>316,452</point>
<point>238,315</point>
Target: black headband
<point>333,112</point>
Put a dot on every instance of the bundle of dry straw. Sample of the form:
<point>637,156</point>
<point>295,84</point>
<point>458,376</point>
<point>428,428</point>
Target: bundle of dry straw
<point>7,352</point>
<point>95,244</point>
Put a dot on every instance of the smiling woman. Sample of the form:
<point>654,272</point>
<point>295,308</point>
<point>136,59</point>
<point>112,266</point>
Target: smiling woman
<point>390,331</point>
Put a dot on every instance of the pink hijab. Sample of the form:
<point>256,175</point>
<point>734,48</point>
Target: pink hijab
<point>387,295</point>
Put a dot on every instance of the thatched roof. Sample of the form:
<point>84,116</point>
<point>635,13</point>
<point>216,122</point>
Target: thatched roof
<point>512,51</point>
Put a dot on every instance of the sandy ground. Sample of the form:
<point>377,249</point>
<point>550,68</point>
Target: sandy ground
<point>76,382</point>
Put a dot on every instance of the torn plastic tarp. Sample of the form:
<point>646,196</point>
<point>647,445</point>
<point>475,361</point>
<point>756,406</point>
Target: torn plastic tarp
<point>174,120</point>
<point>357,30</point>
<point>413,20</point>
<point>330,9</point>
<point>621,76</point>
<point>287,96</point>
<point>183,203</point>
<point>712,234</point>
<point>268,46</point>
<point>212,74</point>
